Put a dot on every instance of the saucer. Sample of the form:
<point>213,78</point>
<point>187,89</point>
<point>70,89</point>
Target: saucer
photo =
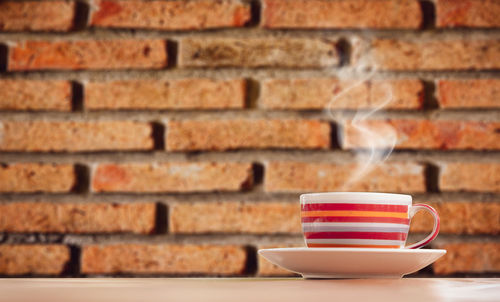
<point>351,262</point>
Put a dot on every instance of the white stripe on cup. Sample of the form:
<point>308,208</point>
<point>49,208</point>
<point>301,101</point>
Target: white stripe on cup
<point>387,202</point>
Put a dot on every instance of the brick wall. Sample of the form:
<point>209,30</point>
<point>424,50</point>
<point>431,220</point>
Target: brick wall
<point>172,138</point>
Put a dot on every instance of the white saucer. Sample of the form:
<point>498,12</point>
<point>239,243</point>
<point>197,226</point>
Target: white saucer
<point>351,262</point>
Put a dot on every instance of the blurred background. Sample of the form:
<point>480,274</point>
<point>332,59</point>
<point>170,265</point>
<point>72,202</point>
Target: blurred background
<point>173,138</point>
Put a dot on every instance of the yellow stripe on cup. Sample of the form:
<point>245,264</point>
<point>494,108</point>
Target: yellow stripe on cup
<point>353,213</point>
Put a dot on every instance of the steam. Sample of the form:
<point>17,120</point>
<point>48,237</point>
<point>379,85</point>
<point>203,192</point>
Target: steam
<point>378,143</point>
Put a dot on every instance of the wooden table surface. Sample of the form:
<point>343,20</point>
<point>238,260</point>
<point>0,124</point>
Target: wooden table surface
<point>235,290</point>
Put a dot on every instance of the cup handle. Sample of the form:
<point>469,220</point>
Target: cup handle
<point>413,210</point>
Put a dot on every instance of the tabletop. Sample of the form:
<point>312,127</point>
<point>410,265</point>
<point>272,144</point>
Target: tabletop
<point>250,289</point>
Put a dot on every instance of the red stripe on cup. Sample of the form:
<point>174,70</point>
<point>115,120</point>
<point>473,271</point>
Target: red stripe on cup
<point>356,235</point>
<point>352,245</point>
<point>354,207</point>
<point>357,219</point>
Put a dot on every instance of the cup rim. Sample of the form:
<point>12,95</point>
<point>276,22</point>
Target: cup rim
<point>356,196</point>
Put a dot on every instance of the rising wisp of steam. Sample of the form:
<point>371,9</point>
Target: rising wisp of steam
<point>378,143</point>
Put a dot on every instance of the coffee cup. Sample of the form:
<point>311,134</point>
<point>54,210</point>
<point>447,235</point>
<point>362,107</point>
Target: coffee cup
<point>361,220</point>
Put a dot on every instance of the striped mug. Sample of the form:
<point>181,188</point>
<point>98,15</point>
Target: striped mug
<point>364,220</point>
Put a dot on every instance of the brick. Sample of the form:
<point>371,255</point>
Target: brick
<point>461,218</point>
<point>331,93</point>
<point>471,257</point>
<point>389,54</point>
<point>257,52</point>
<point>75,136</point>
<point>423,134</point>
<point>170,15</point>
<point>98,54</point>
<point>480,93</point>
<point>38,259</point>
<point>46,217</point>
<point>301,176</point>
<point>341,14</point>
<point>32,177</point>
<point>467,13</point>
<point>172,177</point>
<point>477,177</point>
<point>36,15</point>
<point>191,135</point>
<point>235,217</point>
<point>175,94</point>
<point>164,258</point>
<point>268,269</point>
<point>35,95</point>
